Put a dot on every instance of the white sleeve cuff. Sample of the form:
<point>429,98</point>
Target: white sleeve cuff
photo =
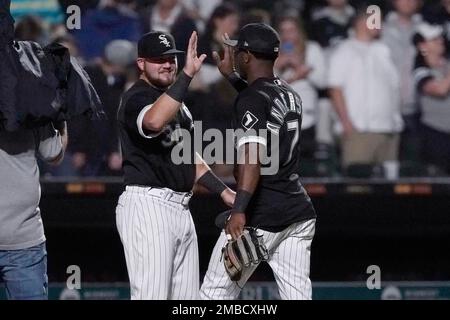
<point>140,120</point>
<point>251,139</point>
<point>50,145</point>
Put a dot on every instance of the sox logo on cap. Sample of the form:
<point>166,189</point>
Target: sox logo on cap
<point>164,40</point>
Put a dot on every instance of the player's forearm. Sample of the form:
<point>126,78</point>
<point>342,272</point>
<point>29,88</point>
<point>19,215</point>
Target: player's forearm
<point>206,178</point>
<point>201,167</point>
<point>167,105</point>
<point>247,182</point>
<point>248,178</point>
<point>161,113</point>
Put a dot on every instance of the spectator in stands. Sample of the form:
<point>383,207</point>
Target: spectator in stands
<point>211,95</point>
<point>288,7</point>
<point>256,15</point>
<point>330,24</point>
<point>224,20</point>
<point>432,79</point>
<point>440,14</point>
<point>95,148</point>
<point>364,88</point>
<point>170,16</point>
<point>329,27</point>
<point>200,11</point>
<point>111,20</point>
<point>31,28</point>
<point>302,64</point>
<point>398,29</point>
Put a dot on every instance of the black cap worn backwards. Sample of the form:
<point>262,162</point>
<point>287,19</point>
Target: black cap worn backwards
<point>257,37</point>
<point>157,44</point>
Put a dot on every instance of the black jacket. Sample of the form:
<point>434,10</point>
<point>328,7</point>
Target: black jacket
<point>40,85</point>
<point>6,24</point>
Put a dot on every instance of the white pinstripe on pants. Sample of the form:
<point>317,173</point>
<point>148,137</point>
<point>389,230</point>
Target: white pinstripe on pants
<point>290,252</point>
<point>160,245</point>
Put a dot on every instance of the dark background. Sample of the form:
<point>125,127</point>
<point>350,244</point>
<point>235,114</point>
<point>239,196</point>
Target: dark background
<point>407,236</point>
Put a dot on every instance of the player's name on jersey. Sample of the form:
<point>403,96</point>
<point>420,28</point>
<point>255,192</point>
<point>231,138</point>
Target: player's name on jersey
<point>281,108</point>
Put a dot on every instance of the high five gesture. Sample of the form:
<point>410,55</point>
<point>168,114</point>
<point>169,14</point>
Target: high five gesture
<point>193,62</point>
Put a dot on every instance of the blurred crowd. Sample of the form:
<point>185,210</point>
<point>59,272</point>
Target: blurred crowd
<point>376,101</point>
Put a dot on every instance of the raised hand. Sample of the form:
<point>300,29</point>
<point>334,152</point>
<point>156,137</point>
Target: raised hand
<point>225,65</point>
<point>193,62</point>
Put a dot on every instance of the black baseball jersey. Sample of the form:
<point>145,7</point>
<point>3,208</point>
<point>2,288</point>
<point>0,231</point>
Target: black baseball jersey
<point>269,111</point>
<point>147,157</point>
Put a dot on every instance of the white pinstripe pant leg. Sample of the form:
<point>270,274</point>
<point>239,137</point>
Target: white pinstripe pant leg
<point>148,241</point>
<point>217,285</point>
<point>291,262</point>
<point>125,221</point>
<point>185,278</point>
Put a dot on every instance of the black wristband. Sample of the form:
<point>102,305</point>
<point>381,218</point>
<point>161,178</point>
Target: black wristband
<point>179,88</point>
<point>242,200</point>
<point>212,182</point>
<point>236,81</point>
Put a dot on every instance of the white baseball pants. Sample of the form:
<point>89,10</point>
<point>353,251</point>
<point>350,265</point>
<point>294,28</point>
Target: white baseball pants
<point>160,243</point>
<point>290,252</point>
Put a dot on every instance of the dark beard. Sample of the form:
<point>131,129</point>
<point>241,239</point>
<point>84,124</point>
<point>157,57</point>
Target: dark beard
<point>155,83</point>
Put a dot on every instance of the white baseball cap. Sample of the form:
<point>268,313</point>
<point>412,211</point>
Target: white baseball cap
<point>428,31</point>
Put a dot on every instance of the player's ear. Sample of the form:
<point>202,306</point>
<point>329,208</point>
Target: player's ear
<point>141,64</point>
<point>247,56</point>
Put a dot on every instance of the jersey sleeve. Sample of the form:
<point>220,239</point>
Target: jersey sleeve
<point>135,110</point>
<point>251,119</point>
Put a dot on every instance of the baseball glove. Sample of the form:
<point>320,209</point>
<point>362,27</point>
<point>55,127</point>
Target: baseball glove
<point>248,249</point>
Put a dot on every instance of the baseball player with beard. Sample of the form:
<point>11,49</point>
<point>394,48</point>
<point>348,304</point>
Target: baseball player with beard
<point>152,214</point>
<point>276,204</point>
